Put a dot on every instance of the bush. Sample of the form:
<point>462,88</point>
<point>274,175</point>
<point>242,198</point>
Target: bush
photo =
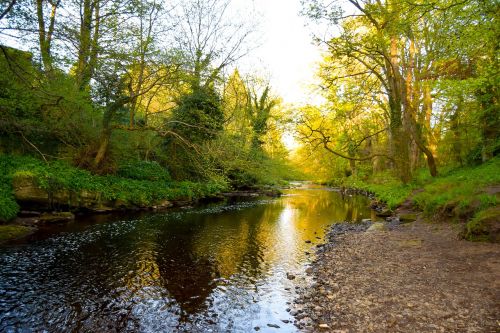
<point>60,175</point>
<point>144,170</point>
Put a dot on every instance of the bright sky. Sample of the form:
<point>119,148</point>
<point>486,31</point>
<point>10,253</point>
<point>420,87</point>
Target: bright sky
<point>287,54</point>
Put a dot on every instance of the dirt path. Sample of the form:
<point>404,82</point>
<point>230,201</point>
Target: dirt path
<point>417,277</point>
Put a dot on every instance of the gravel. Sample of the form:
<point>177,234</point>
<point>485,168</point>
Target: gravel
<point>416,277</point>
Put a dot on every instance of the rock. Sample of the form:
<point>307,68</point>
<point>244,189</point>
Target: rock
<point>257,328</point>
<point>28,213</point>
<point>57,217</point>
<point>485,226</point>
<point>379,226</point>
<point>273,325</point>
<point>164,204</point>
<point>366,220</point>
<point>324,326</point>
<point>26,189</point>
<point>11,231</point>
<point>384,213</point>
<point>286,321</point>
<point>290,276</point>
<point>309,270</point>
<point>308,241</point>
<point>406,218</point>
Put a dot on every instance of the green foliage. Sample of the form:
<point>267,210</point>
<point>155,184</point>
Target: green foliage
<point>8,205</point>
<point>387,188</point>
<point>461,190</point>
<point>59,175</point>
<point>199,116</point>
<point>245,166</point>
<point>143,170</point>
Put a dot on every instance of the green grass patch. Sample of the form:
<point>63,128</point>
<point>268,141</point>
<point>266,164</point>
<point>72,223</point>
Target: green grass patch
<point>484,226</point>
<point>461,191</point>
<point>458,192</point>
<point>387,189</point>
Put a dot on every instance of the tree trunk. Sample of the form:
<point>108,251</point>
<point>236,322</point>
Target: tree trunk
<point>45,36</point>
<point>399,136</point>
<point>84,46</point>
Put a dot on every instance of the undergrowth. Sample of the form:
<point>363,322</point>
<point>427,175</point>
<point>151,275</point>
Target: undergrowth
<point>140,184</point>
<point>386,187</point>
<point>459,190</point>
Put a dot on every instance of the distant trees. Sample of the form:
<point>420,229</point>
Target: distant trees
<point>394,59</point>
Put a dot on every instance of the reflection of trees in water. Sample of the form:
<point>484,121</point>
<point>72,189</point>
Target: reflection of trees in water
<point>237,239</point>
<point>187,276</point>
<point>176,261</point>
<point>327,207</point>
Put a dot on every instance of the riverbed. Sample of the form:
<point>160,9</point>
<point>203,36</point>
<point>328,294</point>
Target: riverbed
<point>227,267</point>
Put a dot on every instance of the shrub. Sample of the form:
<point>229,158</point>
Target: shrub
<point>144,170</point>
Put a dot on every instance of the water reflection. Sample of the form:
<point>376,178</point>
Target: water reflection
<point>219,268</point>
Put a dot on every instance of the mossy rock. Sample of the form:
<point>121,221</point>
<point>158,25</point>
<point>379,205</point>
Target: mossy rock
<point>384,213</point>
<point>26,188</point>
<point>378,226</point>
<point>485,226</point>
<point>10,231</point>
<point>59,217</point>
<point>408,217</point>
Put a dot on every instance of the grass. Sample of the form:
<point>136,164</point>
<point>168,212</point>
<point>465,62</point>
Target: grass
<point>461,191</point>
<point>387,188</point>
<point>59,175</point>
<point>458,192</point>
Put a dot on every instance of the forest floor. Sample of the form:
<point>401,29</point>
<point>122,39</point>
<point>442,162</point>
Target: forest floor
<point>414,277</point>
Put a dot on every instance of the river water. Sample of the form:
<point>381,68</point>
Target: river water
<point>217,268</point>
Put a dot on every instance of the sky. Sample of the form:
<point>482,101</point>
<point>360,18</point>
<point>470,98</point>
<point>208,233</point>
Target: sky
<point>286,55</point>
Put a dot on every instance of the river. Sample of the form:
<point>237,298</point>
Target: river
<point>214,268</point>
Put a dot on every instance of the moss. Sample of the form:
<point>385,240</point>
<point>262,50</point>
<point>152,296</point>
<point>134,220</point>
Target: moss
<point>9,232</point>
<point>485,226</point>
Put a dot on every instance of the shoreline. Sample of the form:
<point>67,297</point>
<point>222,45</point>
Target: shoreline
<point>29,220</point>
<point>411,277</point>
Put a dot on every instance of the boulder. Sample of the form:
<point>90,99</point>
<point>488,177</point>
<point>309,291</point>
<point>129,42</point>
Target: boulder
<point>384,213</point>
<point>485,226</point>
<point>407,218</point>
<point>56,217</point>
<point>26,189</point>
<point>379,226</point>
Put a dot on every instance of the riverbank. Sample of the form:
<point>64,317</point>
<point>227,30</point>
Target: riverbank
<point>467,196</point>
<point>412,277</point>
<point>33,192</point>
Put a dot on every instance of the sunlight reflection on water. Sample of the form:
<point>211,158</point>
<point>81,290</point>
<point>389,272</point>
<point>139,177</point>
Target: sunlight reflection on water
<point>216,268</point>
